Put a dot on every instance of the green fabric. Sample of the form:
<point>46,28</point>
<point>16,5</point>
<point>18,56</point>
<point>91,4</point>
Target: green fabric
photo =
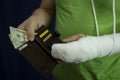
<point>74,17</point>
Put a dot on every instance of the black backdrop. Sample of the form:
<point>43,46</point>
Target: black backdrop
<point>12,65</point>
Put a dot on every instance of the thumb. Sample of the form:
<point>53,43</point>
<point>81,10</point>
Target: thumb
<point>31,33</point>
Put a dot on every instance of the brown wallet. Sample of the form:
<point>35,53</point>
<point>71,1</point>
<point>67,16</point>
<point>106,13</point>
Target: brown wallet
<point>38,52</point>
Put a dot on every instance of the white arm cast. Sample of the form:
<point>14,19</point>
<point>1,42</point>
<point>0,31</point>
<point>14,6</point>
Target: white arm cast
<point>87,48</point>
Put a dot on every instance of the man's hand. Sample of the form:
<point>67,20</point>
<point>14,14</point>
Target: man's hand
<point>74,38</point>
<point>30,26</point>
<point>41,16</point>
<point>36,20</point>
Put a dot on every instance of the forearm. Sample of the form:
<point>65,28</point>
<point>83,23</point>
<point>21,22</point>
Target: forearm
<point>43,16</point>
<point>45,12</point>
<point>87,48</point>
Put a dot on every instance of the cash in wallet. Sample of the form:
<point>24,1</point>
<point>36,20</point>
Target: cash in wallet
<point>37,52</point>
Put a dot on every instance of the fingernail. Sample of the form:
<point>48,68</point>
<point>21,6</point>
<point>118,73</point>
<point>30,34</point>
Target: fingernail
<point>31,39</point>
<point>64,40</point>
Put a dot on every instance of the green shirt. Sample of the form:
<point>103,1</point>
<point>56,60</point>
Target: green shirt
<point>74,17</point>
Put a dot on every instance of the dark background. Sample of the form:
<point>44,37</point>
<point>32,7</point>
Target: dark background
<point>12,65</point>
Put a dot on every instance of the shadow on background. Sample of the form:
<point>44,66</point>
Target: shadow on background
<point>12,65</point>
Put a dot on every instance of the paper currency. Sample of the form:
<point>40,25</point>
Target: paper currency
<point>17,37</point>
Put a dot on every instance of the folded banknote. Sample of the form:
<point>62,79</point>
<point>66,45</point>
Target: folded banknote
<point>17,37</point>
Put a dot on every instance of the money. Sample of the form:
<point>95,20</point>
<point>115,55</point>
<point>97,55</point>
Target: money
<point>17,37</point>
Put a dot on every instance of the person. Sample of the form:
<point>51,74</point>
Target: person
<point>103,45</point>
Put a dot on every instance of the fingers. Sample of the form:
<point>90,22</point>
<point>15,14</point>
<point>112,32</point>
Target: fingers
<point>29,28</point>
<point>21,27</point>
<point>30,32</point>
<point>74,38</point>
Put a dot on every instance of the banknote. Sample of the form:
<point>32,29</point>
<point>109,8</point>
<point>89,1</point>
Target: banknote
<point>17,37</point>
